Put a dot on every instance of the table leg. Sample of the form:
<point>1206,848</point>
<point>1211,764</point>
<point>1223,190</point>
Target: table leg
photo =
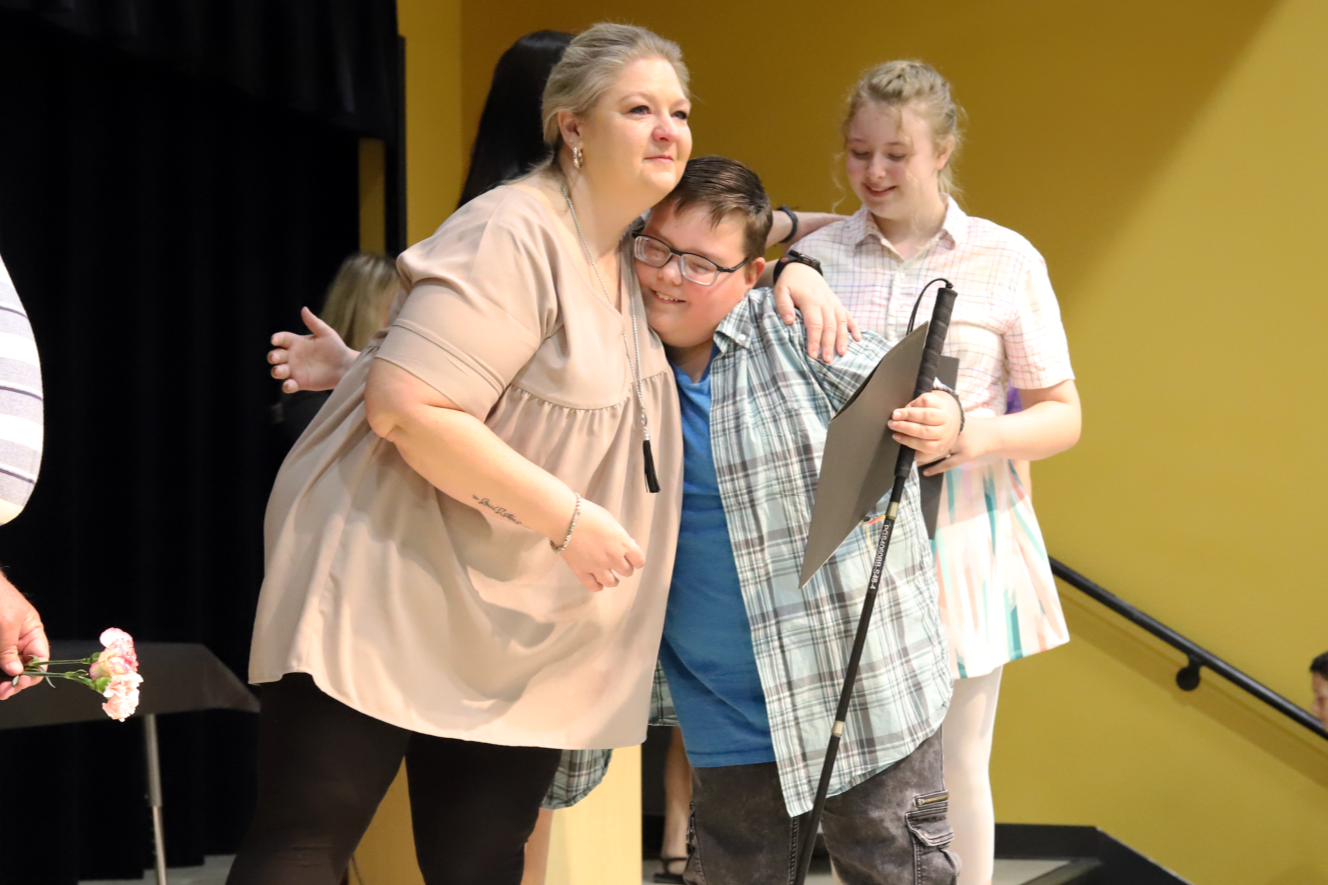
<point>154,795</point>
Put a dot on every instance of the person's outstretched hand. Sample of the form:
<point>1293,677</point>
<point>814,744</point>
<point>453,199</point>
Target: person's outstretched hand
<point>310,362</point>
<point>22,637</point>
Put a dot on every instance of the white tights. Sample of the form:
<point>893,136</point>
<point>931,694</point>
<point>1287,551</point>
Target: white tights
<point>966,738</point>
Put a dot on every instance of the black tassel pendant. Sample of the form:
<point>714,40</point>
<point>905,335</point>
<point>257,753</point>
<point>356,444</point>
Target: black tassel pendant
<point>652,481</point>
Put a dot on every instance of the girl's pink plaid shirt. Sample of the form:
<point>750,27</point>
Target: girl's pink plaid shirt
<point>1006,325</point>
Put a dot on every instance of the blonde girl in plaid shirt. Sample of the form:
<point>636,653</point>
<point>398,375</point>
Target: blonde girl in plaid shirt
<point>998,598</point>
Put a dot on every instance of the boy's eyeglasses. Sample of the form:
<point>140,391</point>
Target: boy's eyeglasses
<point>695,268</point>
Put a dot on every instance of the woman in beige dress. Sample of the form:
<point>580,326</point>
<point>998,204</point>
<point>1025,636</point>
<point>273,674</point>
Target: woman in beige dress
<point>456,548</point>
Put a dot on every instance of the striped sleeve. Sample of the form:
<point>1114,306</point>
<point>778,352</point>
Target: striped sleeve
<point>20,403</point>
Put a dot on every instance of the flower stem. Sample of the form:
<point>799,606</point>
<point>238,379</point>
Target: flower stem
<point>44,674</point>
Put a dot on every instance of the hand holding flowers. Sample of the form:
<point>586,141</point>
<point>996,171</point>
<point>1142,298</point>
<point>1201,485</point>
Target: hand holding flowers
<point>113,673</point>
<point>22,638</point>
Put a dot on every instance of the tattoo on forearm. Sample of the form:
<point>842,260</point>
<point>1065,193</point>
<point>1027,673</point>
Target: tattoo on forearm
<point>501,512</point>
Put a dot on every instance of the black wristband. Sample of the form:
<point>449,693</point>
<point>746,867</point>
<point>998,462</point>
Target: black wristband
<point>792,257</point>
<point>793,217</point>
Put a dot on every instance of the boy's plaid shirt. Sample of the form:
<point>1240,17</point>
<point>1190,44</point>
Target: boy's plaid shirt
<point>771,406</point>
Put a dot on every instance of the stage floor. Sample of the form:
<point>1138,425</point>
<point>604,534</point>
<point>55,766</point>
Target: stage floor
<point>1008,872</point>
<point>213,872</point>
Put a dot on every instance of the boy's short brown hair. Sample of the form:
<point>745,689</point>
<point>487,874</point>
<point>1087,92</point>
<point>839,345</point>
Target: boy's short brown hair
<point>725,188</point>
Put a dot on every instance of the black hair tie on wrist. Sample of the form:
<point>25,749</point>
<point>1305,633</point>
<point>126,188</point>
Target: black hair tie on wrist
<point>793,217</point>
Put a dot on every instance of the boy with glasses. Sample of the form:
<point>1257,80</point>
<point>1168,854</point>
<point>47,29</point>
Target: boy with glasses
<point>753,662</point>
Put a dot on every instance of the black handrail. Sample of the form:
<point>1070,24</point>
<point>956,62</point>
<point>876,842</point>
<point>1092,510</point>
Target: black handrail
<point>1197,657</point>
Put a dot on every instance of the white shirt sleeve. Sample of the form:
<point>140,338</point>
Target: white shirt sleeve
<point>21,427</point>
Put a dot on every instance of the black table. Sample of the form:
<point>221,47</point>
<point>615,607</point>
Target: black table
<point>178,677</point>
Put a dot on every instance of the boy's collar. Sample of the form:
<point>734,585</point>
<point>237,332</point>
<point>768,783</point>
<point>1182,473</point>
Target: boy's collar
<point>736,328</point>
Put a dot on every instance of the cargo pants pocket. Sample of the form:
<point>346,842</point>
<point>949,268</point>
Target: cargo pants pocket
<point>933,861</point>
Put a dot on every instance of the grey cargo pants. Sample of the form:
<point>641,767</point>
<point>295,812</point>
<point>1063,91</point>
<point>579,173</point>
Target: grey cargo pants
<point>891,829</point>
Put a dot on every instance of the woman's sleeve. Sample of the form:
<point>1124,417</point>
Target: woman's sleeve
<point>1035,346</point>
<point>481,301</point>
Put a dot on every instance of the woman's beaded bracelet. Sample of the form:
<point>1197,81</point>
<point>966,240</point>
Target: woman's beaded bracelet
<point>576,514</point>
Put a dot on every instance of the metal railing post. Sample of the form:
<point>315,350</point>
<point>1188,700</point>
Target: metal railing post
<point>154,795</point>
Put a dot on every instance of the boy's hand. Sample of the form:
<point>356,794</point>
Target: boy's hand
<point>929,425</point>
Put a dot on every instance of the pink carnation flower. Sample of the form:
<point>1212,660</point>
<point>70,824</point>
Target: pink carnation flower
<point>118,663</point>
<point>119,656</point>
<point>123,696</point>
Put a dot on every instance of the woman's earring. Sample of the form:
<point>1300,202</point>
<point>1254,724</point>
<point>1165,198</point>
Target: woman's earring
<point>577,156</point>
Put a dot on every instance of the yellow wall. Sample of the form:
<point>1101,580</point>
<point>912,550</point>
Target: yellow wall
<point>373,196</point>
<point>386,854</point>
<point>598,841</point>
<point>435,146</point>
<point>1168,161</point>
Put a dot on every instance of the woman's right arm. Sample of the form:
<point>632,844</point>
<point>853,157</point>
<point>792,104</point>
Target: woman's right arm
<point>464,459</point>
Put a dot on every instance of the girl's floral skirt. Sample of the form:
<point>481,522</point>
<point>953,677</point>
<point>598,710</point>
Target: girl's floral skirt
<point>998,598</point>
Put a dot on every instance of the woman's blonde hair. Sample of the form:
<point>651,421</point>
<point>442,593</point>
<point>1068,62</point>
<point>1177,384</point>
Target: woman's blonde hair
<point>591,64</point>
<point>900,84</point>
<point>359,297</point>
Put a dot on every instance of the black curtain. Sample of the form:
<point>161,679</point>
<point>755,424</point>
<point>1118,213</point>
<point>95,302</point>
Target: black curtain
<point>158,225</point>
<point>333,59</point>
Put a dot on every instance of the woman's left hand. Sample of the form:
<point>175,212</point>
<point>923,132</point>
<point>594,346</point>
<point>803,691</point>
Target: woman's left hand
<point>929,425</point>
<point>829,324</point>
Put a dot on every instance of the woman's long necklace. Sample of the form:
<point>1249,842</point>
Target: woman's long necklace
<point>652,482</point>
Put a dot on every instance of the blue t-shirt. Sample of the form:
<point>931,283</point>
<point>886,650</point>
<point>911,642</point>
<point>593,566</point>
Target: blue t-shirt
<point>707,651</point>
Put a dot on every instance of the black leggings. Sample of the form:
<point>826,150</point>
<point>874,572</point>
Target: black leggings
<point>324,767</point>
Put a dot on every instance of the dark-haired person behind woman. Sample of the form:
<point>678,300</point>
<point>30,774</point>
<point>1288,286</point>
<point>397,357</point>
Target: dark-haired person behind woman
<point>509,141</point>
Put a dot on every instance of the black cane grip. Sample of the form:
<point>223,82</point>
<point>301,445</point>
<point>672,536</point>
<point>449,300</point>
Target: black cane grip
<point>931,357</point>
<point>936,332</point>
